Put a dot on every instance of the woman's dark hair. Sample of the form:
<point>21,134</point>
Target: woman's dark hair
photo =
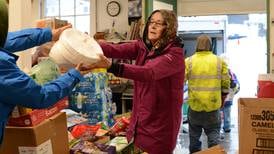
<point>4,22</point>
<point>169,34</point>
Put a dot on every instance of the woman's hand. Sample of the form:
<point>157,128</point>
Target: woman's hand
<point>57,32</point>
<point>41,51</point>
<point>104,62</point>
<point>83,69</point>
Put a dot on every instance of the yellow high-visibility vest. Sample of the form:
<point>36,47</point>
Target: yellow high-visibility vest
<point>207,77</point>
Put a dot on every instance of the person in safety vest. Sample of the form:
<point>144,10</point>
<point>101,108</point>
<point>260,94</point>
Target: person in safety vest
<point>208,84</point>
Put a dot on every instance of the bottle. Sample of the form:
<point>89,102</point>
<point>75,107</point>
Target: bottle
<point>15,112</point>
<point>79,99</point>
<point>113,108</point>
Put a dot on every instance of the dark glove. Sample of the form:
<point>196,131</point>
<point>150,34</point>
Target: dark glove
<point>224,95</point>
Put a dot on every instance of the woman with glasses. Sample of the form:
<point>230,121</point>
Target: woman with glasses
<point>158,75</point>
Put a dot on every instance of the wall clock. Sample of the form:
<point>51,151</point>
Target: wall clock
<point>113,8</point>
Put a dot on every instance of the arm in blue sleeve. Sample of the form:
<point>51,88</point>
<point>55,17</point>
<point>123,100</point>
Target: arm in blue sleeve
<point>27,38</point>
<point>17,88</point>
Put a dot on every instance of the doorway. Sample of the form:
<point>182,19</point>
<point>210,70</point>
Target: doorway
<point>241,40</point>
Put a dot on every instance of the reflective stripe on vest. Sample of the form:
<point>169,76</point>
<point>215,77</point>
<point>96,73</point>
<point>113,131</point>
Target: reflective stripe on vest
<point>205,77</point>
<point>218,76</point>
<point>205,88</point>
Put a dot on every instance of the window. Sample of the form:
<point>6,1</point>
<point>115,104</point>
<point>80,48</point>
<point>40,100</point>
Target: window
<point>77,12</point>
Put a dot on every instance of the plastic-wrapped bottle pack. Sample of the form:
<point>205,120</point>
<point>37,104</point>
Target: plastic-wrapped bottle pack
<point>93,98</point>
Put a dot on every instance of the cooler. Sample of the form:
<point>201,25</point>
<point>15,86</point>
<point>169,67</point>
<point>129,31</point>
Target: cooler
<point>266,86</point>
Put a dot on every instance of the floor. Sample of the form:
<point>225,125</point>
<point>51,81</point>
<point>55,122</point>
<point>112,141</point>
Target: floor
<point>228,140</point>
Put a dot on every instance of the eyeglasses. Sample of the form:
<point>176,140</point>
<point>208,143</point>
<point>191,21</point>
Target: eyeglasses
<point>157,24</point>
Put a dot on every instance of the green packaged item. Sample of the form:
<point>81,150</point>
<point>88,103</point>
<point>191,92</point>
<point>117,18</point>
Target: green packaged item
<point>46,70</point>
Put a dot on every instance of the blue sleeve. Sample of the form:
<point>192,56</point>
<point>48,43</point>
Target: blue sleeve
<point>18,88</point>
<point>27,38</point>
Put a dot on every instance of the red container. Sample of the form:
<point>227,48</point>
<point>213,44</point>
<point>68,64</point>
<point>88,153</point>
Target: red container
<point>120,125</point>
<point>266,86</point>
<point>56,108</point>
<point>38,115</point>
<point>31,119</point>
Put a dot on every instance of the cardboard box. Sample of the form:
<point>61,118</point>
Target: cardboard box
<point>48,137</point>
<point>256,125</point>
<point>213,150</point>
<point>51,23</point>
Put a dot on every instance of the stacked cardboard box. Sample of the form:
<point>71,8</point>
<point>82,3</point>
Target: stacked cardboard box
<point>48,137</point>
<point>213,150</point>
<point>51,23</point>
<point>256,125</point>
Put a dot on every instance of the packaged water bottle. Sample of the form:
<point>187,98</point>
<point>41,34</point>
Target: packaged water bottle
<point>113,108</point>
<point>79,99</point>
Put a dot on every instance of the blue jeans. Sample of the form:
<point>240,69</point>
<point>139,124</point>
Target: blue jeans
<point>210,122</point>
<point>227,119</point>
